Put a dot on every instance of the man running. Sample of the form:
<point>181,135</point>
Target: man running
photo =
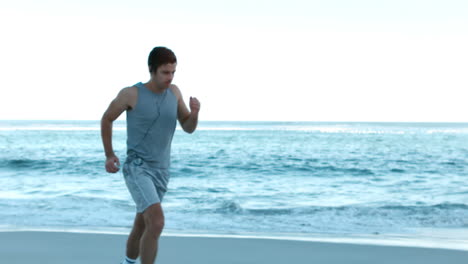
<point>152,110</point>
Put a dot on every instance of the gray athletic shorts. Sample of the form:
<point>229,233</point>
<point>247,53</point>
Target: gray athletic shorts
<point>146,183</point>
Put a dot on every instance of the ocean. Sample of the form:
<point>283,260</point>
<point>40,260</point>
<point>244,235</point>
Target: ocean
<point>297,179</point>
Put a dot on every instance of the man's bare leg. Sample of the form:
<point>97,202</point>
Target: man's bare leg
<point>153,218</point>
<point>133,242</point>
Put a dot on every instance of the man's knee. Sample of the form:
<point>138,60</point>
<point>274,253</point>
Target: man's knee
<point>154,219</point>
<point>158,225</point>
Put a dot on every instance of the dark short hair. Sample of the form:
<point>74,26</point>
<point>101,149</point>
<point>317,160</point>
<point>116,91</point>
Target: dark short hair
<point>160,56</point>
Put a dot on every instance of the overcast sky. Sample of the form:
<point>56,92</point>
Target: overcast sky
<point>399,60</point>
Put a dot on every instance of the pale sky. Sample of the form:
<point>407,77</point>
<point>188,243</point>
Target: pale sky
<point>330,60</point>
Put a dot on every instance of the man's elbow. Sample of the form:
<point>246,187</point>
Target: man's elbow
<point>189,130</point>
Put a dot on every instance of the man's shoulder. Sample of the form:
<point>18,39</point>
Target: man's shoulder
<point>129,91</point>
<point>174,87</point>
<point>127,97</point>
<point>175,90</point>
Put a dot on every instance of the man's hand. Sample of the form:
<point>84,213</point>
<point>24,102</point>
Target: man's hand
<point>194,105</point>
<point>112,164</point>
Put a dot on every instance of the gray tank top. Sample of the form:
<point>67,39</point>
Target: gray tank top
<point>151,125</point>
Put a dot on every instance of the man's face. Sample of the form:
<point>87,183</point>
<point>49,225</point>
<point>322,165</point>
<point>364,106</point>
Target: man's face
<point>165,74</point>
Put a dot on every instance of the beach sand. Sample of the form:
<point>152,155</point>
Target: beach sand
<point>26,247</point>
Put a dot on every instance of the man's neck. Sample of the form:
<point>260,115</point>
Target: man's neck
<point>151,85</point>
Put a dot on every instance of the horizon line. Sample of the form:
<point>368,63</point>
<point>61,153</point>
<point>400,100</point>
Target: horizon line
<point>248,121</point>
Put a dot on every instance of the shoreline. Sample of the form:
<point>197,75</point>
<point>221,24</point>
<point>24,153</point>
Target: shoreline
<point>23,247</point>
<point>430,239</point>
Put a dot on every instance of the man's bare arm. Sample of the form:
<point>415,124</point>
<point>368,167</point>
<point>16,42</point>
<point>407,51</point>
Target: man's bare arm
<point>188,119</point>
<point>115,109</point>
